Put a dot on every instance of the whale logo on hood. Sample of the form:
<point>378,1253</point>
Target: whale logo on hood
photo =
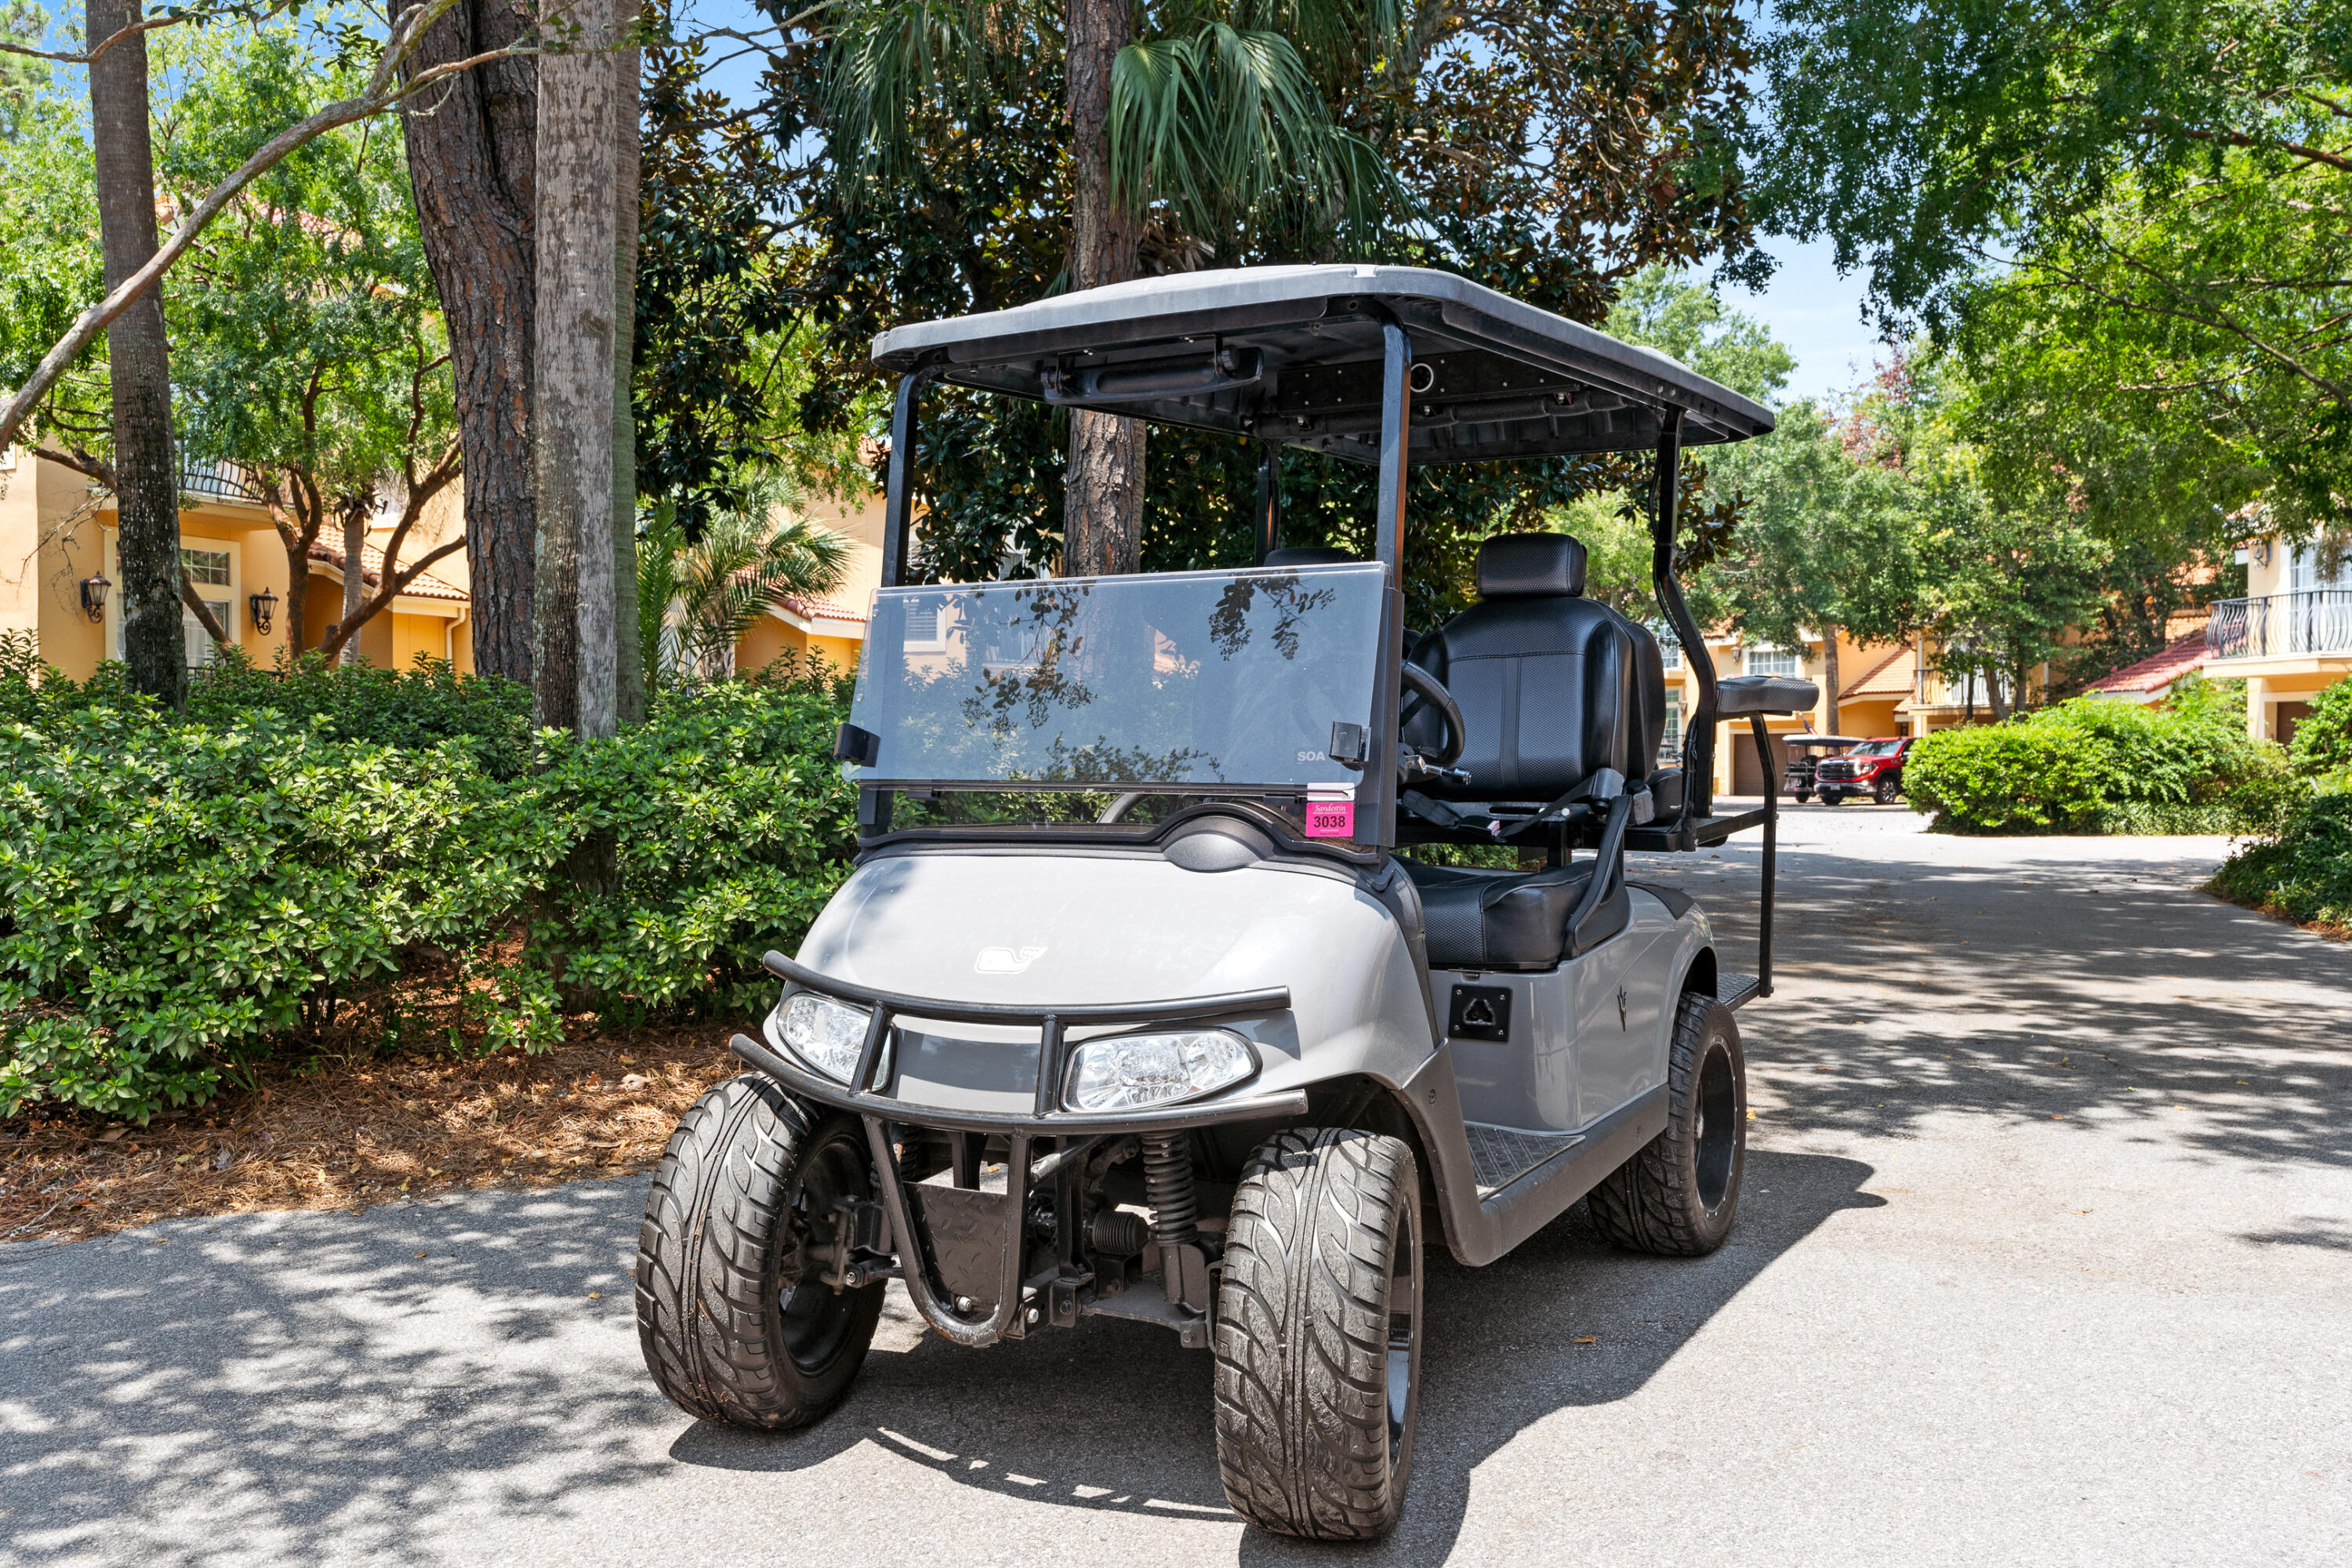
<point>1006,960</point>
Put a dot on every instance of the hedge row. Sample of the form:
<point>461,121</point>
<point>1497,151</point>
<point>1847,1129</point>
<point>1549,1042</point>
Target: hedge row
<point>2093,765</point>
<point>2303,868</point>
<point>184,894</point>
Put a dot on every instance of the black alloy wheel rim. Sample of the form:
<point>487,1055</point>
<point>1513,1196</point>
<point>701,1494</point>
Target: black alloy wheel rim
<point>1404,1333</point>
<point>813,1320</point>
<point>1717,1134</point>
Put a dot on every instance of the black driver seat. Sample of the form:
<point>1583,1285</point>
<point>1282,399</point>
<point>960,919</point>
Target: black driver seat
<point>1553,688</point>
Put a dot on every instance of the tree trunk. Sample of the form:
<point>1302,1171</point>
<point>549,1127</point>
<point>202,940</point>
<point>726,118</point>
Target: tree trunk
<point>471,151</point>
<point>1830,680</point>
<point>1102,516</point>
<point>297,595</point>
<point>355,593</point>
<point>574,378</point>
<point>1995,697</point>
<point>146,489</point>
<point>630,680</point>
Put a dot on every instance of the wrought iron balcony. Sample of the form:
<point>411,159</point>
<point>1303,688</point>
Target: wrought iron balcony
<point>2317,620</point>
<point>223,481</point>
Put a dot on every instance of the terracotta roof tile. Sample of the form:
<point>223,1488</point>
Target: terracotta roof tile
<point>811,608</point>
<point>1894,676</point>
<point>423,586</point>
<point>2158,671</point>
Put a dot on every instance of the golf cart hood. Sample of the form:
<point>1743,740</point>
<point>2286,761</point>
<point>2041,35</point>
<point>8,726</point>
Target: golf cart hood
<point>1048,930</point>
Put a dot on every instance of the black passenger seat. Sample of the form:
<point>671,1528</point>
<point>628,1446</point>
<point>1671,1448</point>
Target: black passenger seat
<point>1553,688</point>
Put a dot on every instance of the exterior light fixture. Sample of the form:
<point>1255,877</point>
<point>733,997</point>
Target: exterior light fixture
<point>263,606</point>
<point>93,597</point>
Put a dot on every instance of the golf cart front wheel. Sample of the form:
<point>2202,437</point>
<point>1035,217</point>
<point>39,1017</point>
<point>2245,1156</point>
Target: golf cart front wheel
<point>1679,1193</point>
<point>733,1313</point>
<point>1318,1334</point>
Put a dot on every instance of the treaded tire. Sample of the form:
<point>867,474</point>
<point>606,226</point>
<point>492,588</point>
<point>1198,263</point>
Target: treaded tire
<point>1677,1195</point>
<point>1886,792</point>
<point>1317,1397</point>
<point>734,1326</point>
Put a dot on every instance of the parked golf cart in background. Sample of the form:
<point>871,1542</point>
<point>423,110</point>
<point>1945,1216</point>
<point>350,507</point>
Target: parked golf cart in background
<point>1130,1007</point>
<point>1805,752</point>
<point>1874,768</point>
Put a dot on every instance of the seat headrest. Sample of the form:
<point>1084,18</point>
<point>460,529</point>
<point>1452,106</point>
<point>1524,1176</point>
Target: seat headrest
<point>1309,555</point>
<point>1531,566</point>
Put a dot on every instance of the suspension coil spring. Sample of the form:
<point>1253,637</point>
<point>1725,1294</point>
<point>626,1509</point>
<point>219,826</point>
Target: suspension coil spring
<point>1168,1188</point>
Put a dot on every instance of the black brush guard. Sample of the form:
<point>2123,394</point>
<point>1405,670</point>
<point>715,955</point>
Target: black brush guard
<point>961,1250</point>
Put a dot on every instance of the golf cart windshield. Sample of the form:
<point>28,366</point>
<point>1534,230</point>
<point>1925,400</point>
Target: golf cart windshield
<point>1201,679</point>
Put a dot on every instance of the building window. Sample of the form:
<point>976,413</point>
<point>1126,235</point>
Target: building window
<point>1670,745</point>
<point>205,566</point>
<point>1670,647</point>
<point>926,628</point>
<point>1763,659</point>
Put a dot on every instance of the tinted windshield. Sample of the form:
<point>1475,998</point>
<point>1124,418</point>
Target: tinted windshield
<point>1878,749</point>
<point>1171,678</point>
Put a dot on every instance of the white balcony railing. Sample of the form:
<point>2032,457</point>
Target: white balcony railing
<point>2317,620</point>
<point>1932,690</point>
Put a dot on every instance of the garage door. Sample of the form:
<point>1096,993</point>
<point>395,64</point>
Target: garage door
<point>1747,778</point>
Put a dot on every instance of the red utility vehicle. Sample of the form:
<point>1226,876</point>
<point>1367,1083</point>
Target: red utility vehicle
<point>1875,768</point>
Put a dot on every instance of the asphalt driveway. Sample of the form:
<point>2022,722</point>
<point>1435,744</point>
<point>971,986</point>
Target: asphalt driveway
<point>2045,1256</point>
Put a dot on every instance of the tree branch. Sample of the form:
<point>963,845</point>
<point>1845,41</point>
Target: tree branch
<point>391,589</point>
<point>80,463</point>
<point>384,91</point>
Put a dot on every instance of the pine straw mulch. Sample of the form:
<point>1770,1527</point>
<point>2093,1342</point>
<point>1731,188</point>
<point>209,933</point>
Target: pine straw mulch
<point>364,1131</point>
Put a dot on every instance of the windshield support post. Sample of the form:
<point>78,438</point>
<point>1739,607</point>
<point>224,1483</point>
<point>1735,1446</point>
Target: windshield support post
<point>897,498</point>
<point>1269,501</point>
<point>1388,539</point>
<point>874,805</point>
<point>1698,729</point>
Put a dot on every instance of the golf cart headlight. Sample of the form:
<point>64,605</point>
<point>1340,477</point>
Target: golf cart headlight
<point>826,1034</point>
<point>1131,1071</point>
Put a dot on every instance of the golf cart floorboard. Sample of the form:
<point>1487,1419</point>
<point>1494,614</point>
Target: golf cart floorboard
<point>1736,991</point>
<point>1501,1155</point>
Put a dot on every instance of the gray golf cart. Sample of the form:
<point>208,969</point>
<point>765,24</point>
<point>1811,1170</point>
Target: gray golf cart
<point>1131,1009</point>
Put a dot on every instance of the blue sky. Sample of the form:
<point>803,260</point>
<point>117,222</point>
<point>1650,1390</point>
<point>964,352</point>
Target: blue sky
<point>1816,313</point>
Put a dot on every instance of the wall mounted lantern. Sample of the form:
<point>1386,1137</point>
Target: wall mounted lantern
<point>263,606</point>
<point>93,597</point>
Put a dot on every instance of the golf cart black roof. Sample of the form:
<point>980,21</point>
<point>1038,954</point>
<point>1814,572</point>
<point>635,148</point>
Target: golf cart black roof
<point>1301,363</point>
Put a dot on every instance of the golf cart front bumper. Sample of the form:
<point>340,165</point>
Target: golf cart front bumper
<point>963,1250</point>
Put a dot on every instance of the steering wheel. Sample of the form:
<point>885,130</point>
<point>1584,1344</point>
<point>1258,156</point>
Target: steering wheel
<point>1425,691</point>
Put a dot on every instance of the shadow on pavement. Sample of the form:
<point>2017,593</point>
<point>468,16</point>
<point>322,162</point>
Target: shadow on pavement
<point>1116,1417</point>
<point>2028,980</point>
<point>302,1386</point>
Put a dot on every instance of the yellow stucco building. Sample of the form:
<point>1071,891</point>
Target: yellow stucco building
<point>59,574</point>
<point>2290,637</point>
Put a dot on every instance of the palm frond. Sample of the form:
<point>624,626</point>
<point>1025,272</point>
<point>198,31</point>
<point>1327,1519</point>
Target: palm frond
<point>697,599</point>
<point>890,59</point>
<point>1227,126</point>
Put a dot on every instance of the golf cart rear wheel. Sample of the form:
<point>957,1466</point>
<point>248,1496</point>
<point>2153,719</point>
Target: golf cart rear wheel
<point>1318,1334</point>
<point>1679,1193</point>
<point>733,1314</point>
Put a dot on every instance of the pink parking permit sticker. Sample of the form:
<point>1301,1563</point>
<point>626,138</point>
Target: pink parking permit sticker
<point>1330,819</point>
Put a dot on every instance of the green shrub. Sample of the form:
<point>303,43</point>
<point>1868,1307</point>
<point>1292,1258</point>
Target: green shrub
<point>188,893</point>
<point>2303,872</point>
<point>2323,741</point>
<point>2094,765</point>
